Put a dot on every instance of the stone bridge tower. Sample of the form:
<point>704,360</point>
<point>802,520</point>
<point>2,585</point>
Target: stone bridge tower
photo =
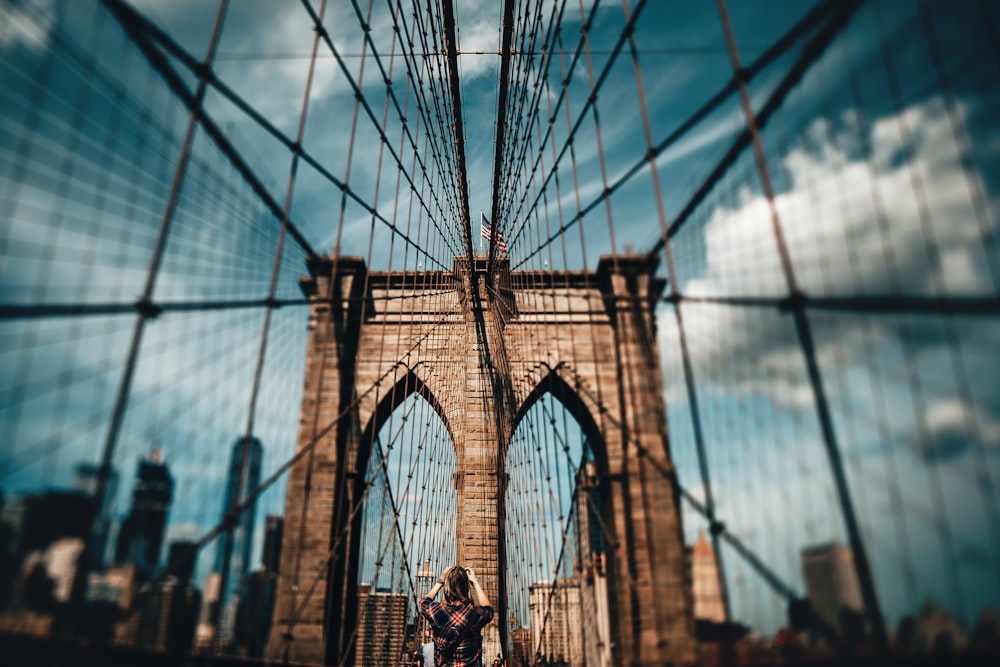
<point>588,337</point>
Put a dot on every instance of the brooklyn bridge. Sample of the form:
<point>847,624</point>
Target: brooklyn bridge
<point>677,322</point>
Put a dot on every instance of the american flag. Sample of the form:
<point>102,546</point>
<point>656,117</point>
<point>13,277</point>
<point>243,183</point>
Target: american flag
<point>485,230</point>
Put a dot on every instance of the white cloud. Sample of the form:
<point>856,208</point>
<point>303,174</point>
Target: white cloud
<point>831,222</point>
<point>482,34</point>
<point>26,27</point>
<point>949,421</point>
<point>836,245</point>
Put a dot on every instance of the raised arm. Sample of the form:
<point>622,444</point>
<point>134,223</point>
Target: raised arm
<point>432,593</point>
<point>480,596</point>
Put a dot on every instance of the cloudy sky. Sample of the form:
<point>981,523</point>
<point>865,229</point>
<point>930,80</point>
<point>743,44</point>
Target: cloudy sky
<point>884,165</point>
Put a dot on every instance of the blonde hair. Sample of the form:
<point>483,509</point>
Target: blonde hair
<point>456,584</point>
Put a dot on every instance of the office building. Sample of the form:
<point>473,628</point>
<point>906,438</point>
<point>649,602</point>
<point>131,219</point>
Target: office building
<point>522,653</point>
<point>831,582</point>
<point>61,560</point>
<point>243,478</point>
<point>87,479</point>
<point>140,539</point>
<point>51,516</point>
<point>42,533</point>
<point>706,586</point>
<point>182,559</point>
<point>113,586</point>
<point>426,578</point>
<point>274,529</point>
<point>556,620</point>
<point>12,511</point>
<point>205,630</point>
<point>382,620</point>
<point>168,615</point>
<point>256,604</point>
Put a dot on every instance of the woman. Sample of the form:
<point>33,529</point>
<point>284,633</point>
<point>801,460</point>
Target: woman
<point>456,622</point>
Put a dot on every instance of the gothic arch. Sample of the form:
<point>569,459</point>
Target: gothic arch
<point>407,385</point>
<point>553,383</point>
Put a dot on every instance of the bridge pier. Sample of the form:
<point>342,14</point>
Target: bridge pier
<point>587,337</point>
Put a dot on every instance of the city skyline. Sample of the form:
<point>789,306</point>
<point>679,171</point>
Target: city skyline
<point>154,592</point>
<point>156,463</point>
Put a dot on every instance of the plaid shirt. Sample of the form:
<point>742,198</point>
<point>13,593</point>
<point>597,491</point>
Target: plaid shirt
<point>449,621</point>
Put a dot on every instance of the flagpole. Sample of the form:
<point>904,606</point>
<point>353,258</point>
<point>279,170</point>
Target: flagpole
<point>482,216</point>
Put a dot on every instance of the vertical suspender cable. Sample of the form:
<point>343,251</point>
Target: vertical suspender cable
<point>804,331</point>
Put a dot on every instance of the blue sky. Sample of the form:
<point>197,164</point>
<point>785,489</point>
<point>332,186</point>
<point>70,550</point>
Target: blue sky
<point>886,182</point>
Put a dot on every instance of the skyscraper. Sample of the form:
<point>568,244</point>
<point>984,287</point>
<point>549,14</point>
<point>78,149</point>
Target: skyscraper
<point>240,539</point>
<point>182,559</point>
<point>274,529</point>
<point>705,584</point>
<point>140,539</point>
<point>87,478</point>
<point>831,582</point>
<point>426,578</point>
<point>253,617</point>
